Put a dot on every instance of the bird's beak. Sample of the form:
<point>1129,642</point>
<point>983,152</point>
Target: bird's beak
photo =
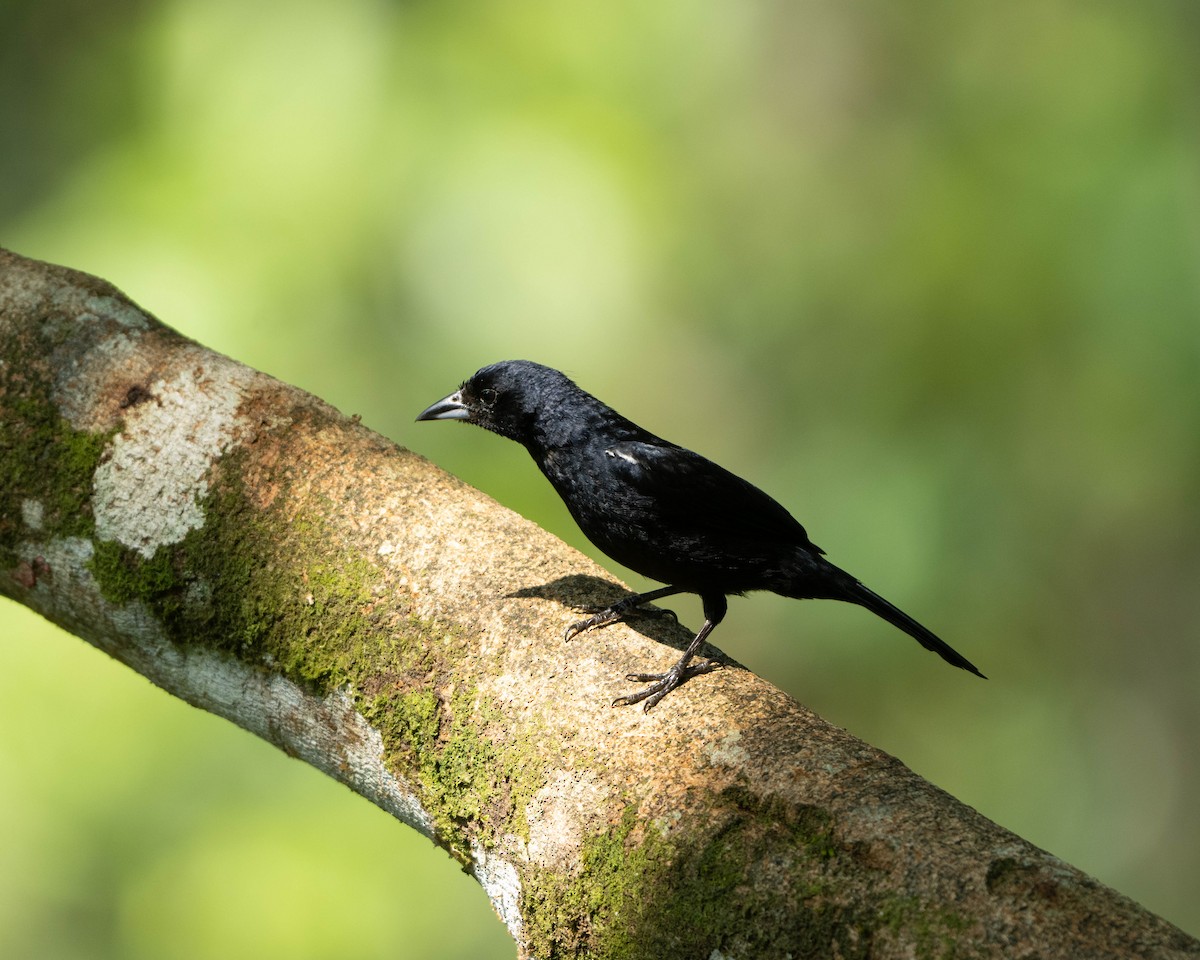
<point>448,408</point>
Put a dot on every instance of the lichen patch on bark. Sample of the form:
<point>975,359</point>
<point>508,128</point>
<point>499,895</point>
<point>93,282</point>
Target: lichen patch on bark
<point>148,492</point>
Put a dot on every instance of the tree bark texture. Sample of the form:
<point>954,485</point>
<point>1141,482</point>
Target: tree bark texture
<point>258,554</point>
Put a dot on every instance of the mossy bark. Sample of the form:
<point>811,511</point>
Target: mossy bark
<point>256,553</point>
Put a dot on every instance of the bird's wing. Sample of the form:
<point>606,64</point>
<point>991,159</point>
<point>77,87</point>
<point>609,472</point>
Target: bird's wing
<point>690,489</point>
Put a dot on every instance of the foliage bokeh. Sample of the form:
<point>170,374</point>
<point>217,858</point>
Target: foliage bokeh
<point>929,273</point>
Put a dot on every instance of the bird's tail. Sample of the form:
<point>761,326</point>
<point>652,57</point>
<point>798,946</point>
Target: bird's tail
<point>855,592</point>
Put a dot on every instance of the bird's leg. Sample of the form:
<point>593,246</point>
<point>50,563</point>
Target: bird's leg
<point>663,683</point>
<point>606,615</point>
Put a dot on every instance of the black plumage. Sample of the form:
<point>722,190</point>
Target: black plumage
<point>660,509</point>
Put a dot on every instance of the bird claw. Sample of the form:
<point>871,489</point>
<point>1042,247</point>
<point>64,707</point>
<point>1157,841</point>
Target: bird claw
<point>604,616</point>
<point>601,618</point>
<point>663,683</point>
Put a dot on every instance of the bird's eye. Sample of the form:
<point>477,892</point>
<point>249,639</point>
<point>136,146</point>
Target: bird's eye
<point>487,396</point>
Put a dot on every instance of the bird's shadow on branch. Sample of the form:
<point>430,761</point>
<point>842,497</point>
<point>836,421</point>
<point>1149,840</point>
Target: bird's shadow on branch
<point>584,595</point>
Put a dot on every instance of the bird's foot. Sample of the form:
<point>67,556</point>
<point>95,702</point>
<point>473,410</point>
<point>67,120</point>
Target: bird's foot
<point>663,683</point>
<point>604,616</point>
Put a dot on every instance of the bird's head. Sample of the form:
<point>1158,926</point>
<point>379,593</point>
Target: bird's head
<point>506,398</point>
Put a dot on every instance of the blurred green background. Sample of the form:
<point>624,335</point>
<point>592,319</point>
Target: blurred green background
<point>927,272</point>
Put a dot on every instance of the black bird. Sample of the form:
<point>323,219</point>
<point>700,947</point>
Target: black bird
<point>659,509</point>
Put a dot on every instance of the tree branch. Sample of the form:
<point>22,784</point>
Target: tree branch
<point>256,553</point>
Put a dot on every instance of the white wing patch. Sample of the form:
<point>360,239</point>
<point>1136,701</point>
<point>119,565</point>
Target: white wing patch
<point>624,455</point>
